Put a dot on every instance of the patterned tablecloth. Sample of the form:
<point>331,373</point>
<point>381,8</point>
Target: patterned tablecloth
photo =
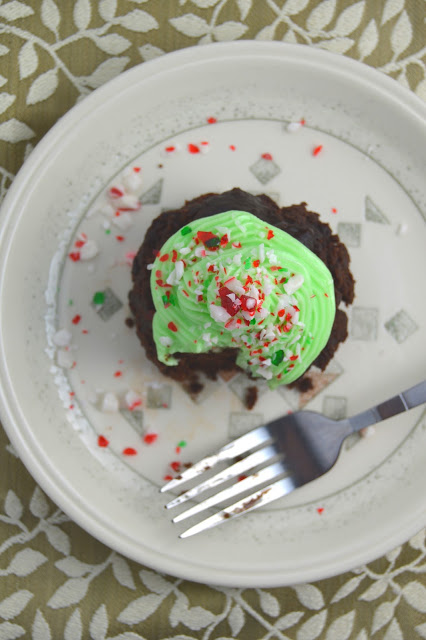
<point>56,581</point>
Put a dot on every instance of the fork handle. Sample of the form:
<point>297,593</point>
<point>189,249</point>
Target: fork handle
<point>402,402</point>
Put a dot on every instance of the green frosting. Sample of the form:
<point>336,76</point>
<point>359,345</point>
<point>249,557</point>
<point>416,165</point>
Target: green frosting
<point>231,280</point>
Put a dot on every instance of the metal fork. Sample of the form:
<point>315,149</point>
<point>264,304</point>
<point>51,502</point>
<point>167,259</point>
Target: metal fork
<point>280,456</point>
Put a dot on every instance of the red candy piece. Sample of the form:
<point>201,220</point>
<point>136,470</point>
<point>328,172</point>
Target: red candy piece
<point>192,148</point>
<point>232,307</point>
<point>266,156</point>
<point>74,255</point>
<point>172,326</point>
<point>129,451</point>
<point>102,441</point>
<point>150,438</point>
<point>115,193</point>
<point>76,319</point>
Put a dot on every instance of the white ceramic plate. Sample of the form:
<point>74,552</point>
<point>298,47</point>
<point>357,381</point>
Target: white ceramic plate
<point>367,182</point>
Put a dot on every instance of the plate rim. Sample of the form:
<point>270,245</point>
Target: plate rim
<point>9,410</point>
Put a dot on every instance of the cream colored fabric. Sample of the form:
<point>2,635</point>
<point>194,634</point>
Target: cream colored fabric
<point>55,580</point>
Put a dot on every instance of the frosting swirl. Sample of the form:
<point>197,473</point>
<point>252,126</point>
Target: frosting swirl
<point>231,280</point>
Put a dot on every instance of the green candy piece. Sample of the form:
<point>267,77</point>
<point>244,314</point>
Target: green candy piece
<point>212,242</point>
<point>278,357</point>
<point>185,231</point>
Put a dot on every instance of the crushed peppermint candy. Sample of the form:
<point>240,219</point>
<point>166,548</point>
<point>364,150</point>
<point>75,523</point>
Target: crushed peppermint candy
<point>62,338</point>
<point>123,220</point>
<point>110,403</point>
<point>225,288</point>
<point>89,250</point>
<point>64,359</point>
<point>292,127</point>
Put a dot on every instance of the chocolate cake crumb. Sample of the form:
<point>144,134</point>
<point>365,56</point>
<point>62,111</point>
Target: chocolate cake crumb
<point>250,397</point>
<point>129,322</point>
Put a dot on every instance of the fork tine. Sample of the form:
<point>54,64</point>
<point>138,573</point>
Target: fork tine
<point>239,446</point>
<point>251,482</point>
<point>258,499</point>
<point>253,460</point>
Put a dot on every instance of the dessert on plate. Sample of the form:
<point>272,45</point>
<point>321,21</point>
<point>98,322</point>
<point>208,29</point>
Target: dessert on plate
<point>233,282</point>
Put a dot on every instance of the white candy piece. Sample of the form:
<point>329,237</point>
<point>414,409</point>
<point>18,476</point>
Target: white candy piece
<point>110,403</point>
<point>262,314</point>
<point>124,221</point>
<point>130,201</point>
<point>176,274</point>
<point>219,314</point>
<point>235,286</point>
<point>294,283</point>
<point>64,359</point>
<point>106,209</point>
<point>166,341</point>
<point>268,287</point>
<point>272,257</point>
<point>62,338</point>
<point>132,181</point>
<point>292,127</point>
<point>265,373</point>
<point>89,250</point>
<point>199,252</point>
<point>132,399</point>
